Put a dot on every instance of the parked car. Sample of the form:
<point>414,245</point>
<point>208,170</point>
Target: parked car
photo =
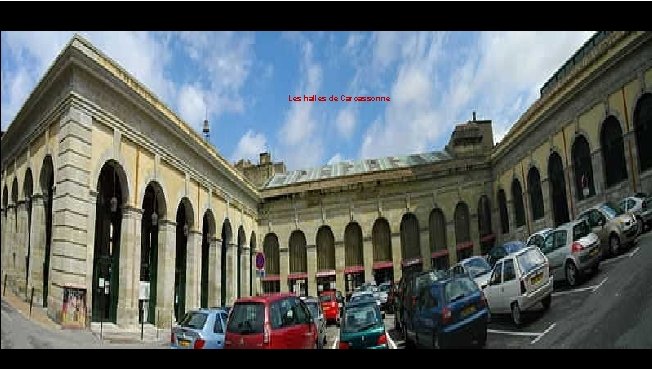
<point>613,226</point>
<point>450,312</point>
<point>383,294</point>
<point>362,296</point>
<point>475,267</point>
<point>641,208</point>
<point>331,306</point>
<point>572,251</point>
<point>200,329</point>
<point>413,283</point>
<point>317,314</point>
<point>363,327</point>
<point>500,251</point>
<point>274,321</point>
<point>518,282</point>
<point>391,298</point>
<point>536,239</point>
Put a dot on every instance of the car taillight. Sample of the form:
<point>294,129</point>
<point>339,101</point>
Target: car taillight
<point>523,290</point>
<point>171,337</point>
<point>344,345</point>
<point>199,344</point>
<point>446,315</point>
<point>382,339</point>
<point>266,333</point>
<point>576,247</point>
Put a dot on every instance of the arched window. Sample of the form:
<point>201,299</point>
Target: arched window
<point>557,181</point>
<point>536,196</point>
<point>582,168</point>
<point>517,198</point>
<point>502,207</point>
<point>643,128</point>
<point>613,152</point>
<point>438,248</point>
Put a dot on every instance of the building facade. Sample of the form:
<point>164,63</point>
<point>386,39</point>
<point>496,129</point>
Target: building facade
<point>107,193</point>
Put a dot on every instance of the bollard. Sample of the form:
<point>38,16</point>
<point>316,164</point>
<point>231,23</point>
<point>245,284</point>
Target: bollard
<point>142,320</point>
<point>31,302</point>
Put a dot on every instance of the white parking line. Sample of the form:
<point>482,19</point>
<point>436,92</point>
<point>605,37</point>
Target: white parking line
<point>600,284</point>
<point>629,254</point>
<point>512,333</point>
<point>589,288</point>
<point>542,334</point>
<point>335,343</point>
<point>392,345</point>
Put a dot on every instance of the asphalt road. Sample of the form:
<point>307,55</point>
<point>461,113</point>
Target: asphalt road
<point>611,309</point>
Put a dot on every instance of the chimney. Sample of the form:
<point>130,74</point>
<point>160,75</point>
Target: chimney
<point>474,116</point>
<point>264,158</point>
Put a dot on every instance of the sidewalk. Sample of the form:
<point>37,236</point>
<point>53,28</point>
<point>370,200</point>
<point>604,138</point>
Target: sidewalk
<point>39,314</point>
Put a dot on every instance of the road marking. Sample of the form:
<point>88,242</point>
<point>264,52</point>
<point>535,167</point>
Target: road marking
<point>542,334</point>
<point>634,251</point>
<point>589,288</point>
<point>512,333</point>
<point>391,341</point>
<point>629,254</point>
<point>335,343</point>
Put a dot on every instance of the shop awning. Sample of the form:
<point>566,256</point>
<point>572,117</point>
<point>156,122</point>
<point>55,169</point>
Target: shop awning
<point>293,276</point>
<point>409,262</point>
<point>383,265</point>
<point>271,278</point>
<point>325,273</point>
<point>354,269</point>
<point>439,253</point>
<point>464,245</point>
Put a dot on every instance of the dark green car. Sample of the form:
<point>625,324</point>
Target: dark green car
<point>363,327</point>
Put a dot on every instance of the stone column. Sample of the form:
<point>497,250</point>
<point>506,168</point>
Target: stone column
<point>285,267</point>
<point>10,244</point>
<point>424,248</point>
<point>129,278</point>
<point>21,250</point>
<point>339,266</point>
<point>368,259</point>
<point>598,173</point>
<point>37,253</point>
<point>3,248</point>
<point>244,285</point>
<point>231,275</point>
<point>214,271</point>
<point>165,273</point>
<point>193,270</point>
<point>311,250</point>
<point>548,216</point>
<point>397,256</point>
<point>475,233</point>
<point>71,209</point>
<point>452,242</point>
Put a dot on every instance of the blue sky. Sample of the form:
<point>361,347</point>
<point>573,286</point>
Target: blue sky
<point>435,80</point>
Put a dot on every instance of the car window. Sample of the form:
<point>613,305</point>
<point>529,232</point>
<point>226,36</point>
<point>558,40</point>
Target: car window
<point>301,312</point>
<point>276,311</point>
<point>580,230</point>
<point>225,318</point>
<point>218,328</point>
<point>361,317</point>
<point>530,260</point>
<point>631,204</point>
<point>247,318</point>
<point>477,266</point>
<point>560,238</point>
<point>508,271</point>
<point>460,287</point>
<point>548,243</point>
<point>326,298</point>
<point>314,309</point>
<point>497,274</point>
<point>194,320</point>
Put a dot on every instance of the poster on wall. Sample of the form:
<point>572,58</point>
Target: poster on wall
<point>73,314</point>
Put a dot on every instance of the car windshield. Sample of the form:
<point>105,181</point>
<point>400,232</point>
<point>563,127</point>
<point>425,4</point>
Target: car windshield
<point>458,288</point>
<point>612,210</point>
<point>326,298</point>
<point>361,297</point>
<point>513,246</point>
<point>477,267</point>
<point>194,320</point>
<point>580,230</point>
<point>247,318</point>
<point>530,260</point>
<point>360,318</point>
<point>314,309</point>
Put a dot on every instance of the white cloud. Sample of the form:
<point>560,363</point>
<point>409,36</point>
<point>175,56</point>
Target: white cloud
<point>337,158</point>
<point>345,122</point>
<point>192,107</point>
<point>251,144</point>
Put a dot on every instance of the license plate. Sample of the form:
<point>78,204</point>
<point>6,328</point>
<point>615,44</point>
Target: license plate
<point>184,343</point>
<point>468,311</point>
<point>536,279</point>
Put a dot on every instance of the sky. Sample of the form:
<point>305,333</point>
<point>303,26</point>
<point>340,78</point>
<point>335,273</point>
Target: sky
<point>245,83</point>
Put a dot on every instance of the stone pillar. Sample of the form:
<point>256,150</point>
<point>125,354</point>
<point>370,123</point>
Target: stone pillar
<point>193,270</point>
<point>10,244</point>
<point>598,173</point>
<point>452,242</point>
<point>475,233</point>
<point>368,259</point>
<point>397,256</point>
<point>548,215</point>
<point>37,253</point>
<point>246,266</point>
<point>21,250</point>
<point>71,209</point>
<point>339,266</point>
<point>285,267</point>
<point>424,246</point>
<point>165,273</point>
<point>231,275</point>
<point>311,250</point>
<point>214,271</point>
<point>3,248</point>
<point>129,275</point>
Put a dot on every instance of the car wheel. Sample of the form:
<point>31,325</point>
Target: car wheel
<point>614,245</point>
<point>546,302</point>
<point>516,314</point>
<point>571,274</point>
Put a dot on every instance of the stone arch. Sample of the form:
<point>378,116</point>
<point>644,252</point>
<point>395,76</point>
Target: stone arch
<point>226,236</point>
<point>325,249</point>
<point>242,241</point>
<point>47,181</point>
<point>381,239</point>
<point>5,199</point>
<point>502,209</point>
<point>14,191</point>
<point>517,200</point>
<point>582,167</point>
<point>185,222</point>
<point>159,188</point>
<point>535,192</point>
<point>271,249</point>
<point>643,131</point>
<point>298,252</point>
<point>410,238</point>
<point>125,176</point>
<point>28,191</point>
<point>353,252</point>
<point>613,151</point>
<point>437,230</point>
<point>557,180</point>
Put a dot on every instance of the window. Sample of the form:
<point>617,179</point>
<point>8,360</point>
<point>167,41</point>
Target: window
<point>560,239</point>
<point>504,216</point>
<point>548,243</point>
<point>643,128</point>
<point>247,318</point>
<point>517,198</point>
<point>194,320</point>
<point>631,204</point>
<point>440,263</point>
<point>509,273</point>
<point>580,230</point>
<point>497,274</point>
<point>613,151</point>
<point>218,324</point>
<point>359,317</point>
<point>301,312</point>
<point>582,168</point>
<point>458,288</point>
<point>530,260</point>
<point>536,195</point>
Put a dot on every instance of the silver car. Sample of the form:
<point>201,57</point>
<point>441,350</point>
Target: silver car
<point>318,316</point>
<point>572,251</point>
<point>475,267</point>
<point>614,227</point>
<point>536,239</point>
<point>641,208</point>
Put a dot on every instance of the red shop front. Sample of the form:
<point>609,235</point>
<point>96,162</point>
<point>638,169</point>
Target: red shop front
<point>353,277</point>
<point>383,272</point>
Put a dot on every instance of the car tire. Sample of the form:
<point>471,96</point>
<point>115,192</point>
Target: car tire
<point>546,302</point>
<point>572,274</point>
<point>516,314</point>
<point>614,245</point>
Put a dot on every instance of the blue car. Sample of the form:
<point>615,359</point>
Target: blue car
<point>200,329</point>
<point>500,251</point>
<point>450,313</point>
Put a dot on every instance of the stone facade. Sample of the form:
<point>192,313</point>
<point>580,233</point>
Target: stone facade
<point>92,143</point>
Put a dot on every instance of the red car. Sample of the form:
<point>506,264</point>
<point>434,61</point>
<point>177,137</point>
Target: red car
<point>278,321</point>
<point>330,304</point>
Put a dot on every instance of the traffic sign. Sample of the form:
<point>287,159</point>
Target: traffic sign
<point>260,261</point>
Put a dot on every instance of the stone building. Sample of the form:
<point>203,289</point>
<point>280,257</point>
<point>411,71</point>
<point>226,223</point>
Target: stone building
<point>106,191</point>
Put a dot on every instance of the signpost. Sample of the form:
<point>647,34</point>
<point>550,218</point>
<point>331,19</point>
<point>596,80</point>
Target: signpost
<point>260,269</point>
